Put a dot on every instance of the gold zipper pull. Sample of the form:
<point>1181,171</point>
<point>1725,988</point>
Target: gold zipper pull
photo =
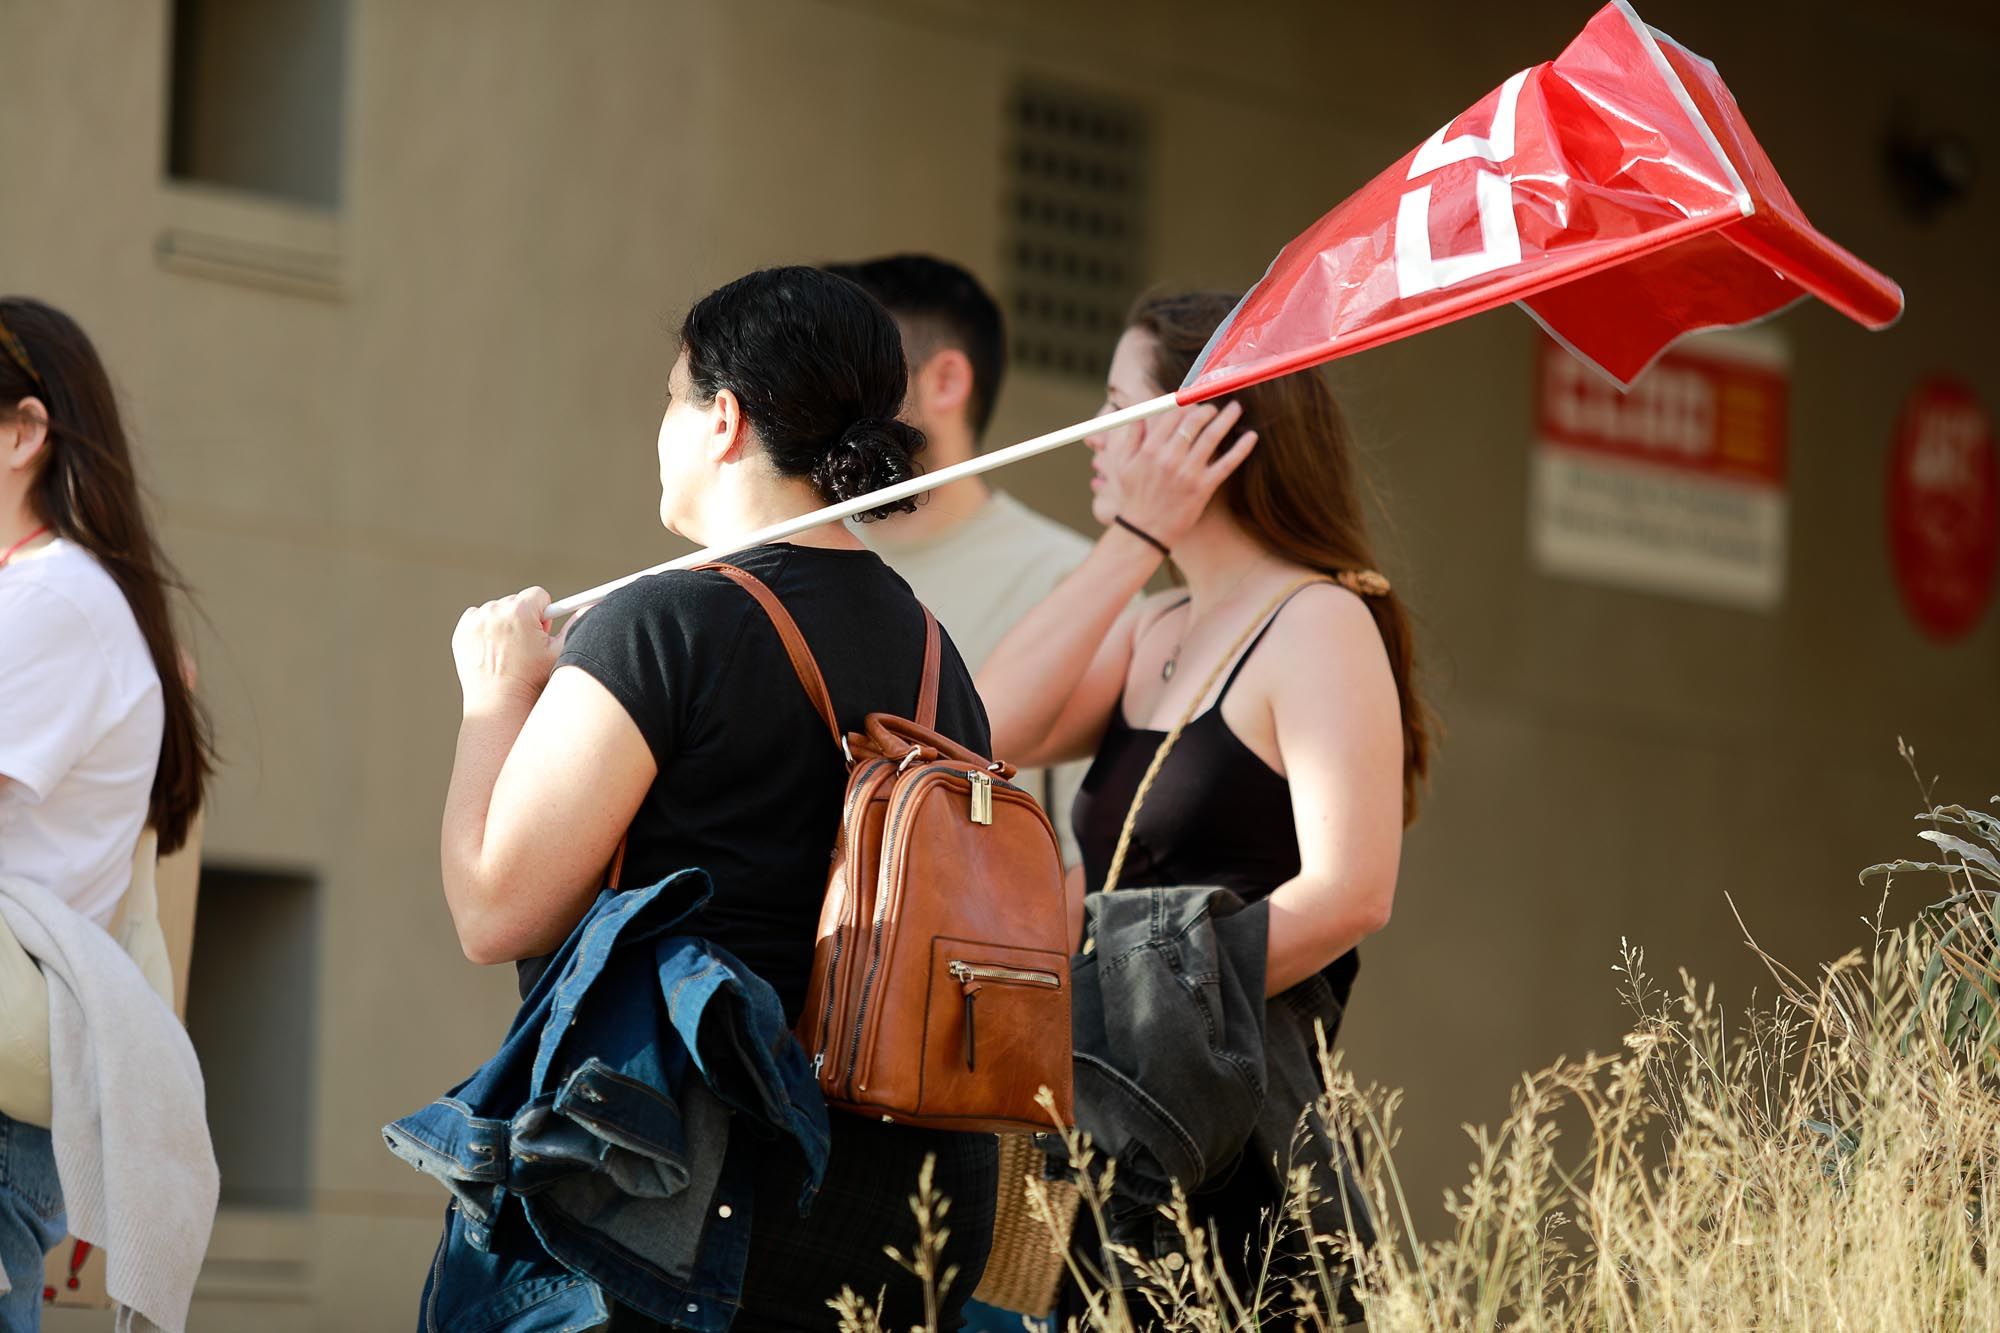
<point>982,798</point>
<point>968,977</point>
<point>971,1009</point>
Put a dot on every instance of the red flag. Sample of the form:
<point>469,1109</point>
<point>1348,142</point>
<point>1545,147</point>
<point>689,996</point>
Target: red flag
<point>1615,192</point>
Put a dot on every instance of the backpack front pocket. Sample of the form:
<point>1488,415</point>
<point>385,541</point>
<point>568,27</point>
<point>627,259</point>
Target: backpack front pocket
<point>998,1023</point>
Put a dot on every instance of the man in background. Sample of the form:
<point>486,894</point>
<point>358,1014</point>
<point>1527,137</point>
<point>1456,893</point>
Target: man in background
<point>977,557</point>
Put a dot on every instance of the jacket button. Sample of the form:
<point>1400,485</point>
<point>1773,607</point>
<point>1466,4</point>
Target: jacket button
<point>724,1211</point>
<point>693,1308</point>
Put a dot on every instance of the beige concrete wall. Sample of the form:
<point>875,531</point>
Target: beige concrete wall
<point>357,424</point>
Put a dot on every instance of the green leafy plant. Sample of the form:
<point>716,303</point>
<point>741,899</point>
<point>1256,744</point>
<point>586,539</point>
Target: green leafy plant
<point>1963,929</point>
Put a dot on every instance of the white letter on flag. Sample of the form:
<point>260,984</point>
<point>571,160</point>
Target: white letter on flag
<point>1499,239</point>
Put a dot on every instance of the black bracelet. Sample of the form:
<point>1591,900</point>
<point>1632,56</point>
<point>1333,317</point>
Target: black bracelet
<point>1144,536</point>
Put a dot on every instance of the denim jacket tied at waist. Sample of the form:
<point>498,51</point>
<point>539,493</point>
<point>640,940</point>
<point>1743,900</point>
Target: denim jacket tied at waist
<point>606,1150</point>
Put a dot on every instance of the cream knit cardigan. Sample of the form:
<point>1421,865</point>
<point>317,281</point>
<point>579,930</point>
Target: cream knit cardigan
<point>124,1094</point>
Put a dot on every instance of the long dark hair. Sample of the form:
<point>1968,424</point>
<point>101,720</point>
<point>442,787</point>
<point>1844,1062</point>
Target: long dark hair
<point>1299,492</point>
<point>817,365</point>
<point>85,492</point>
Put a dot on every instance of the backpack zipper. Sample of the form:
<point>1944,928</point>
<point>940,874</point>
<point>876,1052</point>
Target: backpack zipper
<point>896,812</point>
<point>972,977</point>
<point>1018,976</point>
<point>833,961</point>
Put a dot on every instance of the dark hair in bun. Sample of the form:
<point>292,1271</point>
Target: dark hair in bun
<point>870,454</point>
<point>817,365</point>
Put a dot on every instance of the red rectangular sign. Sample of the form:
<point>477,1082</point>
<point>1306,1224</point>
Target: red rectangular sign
<point>1676,486</point>
<point>1693,411</point>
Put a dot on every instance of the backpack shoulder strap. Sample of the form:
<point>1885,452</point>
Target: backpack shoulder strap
<point>927,697</point>
<point>803,661</point>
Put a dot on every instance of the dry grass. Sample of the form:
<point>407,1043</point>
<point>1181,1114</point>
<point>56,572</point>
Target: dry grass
<point>1825,1163</point>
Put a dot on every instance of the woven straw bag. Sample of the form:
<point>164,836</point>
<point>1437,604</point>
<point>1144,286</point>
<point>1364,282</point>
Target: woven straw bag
<point>1025,1266</point>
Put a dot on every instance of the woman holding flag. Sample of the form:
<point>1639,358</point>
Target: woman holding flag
<point>1285,657</point>
<point>666,729</point>
<point>1275,697</point>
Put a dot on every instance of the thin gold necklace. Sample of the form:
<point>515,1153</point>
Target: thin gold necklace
<point>1173,661</point>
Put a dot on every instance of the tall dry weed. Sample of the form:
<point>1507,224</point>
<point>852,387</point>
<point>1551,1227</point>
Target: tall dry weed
<point>1827,1161</point>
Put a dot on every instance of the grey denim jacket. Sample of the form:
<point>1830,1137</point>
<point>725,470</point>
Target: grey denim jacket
<point>1182,1066</point>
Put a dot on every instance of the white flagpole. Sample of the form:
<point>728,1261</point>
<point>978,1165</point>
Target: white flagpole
<point>861,504</point>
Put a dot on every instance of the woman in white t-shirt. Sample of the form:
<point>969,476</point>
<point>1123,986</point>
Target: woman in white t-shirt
<point>99,733</point>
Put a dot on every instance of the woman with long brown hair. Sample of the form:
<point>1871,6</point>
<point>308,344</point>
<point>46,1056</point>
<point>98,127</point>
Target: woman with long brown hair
<point>1287,653</point>
<point>100,733</point>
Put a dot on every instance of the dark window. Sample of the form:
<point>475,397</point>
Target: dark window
<point>257,96</point>
<point>252,983</point>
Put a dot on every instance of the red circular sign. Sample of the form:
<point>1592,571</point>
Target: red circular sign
<point>1944,508</point>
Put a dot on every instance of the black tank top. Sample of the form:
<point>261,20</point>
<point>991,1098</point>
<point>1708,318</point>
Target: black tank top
<point>1217,813</point>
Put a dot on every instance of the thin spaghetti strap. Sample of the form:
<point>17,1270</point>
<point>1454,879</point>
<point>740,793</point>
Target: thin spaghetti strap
<point>1167,743</point>
<point>1269,621</point>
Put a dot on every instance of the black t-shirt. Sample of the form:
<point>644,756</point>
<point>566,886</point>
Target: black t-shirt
<point>750,784</point>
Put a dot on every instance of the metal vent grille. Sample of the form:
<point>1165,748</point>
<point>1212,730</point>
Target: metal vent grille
<point>1077,184</point>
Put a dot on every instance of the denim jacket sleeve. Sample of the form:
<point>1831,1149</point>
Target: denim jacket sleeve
<point>1167,1010</point>
<point>599,1143</point>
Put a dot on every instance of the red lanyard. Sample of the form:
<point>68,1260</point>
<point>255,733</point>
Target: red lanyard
<point>9,554</point>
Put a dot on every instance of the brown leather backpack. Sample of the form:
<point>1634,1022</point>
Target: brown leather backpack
<point>940,979</point>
